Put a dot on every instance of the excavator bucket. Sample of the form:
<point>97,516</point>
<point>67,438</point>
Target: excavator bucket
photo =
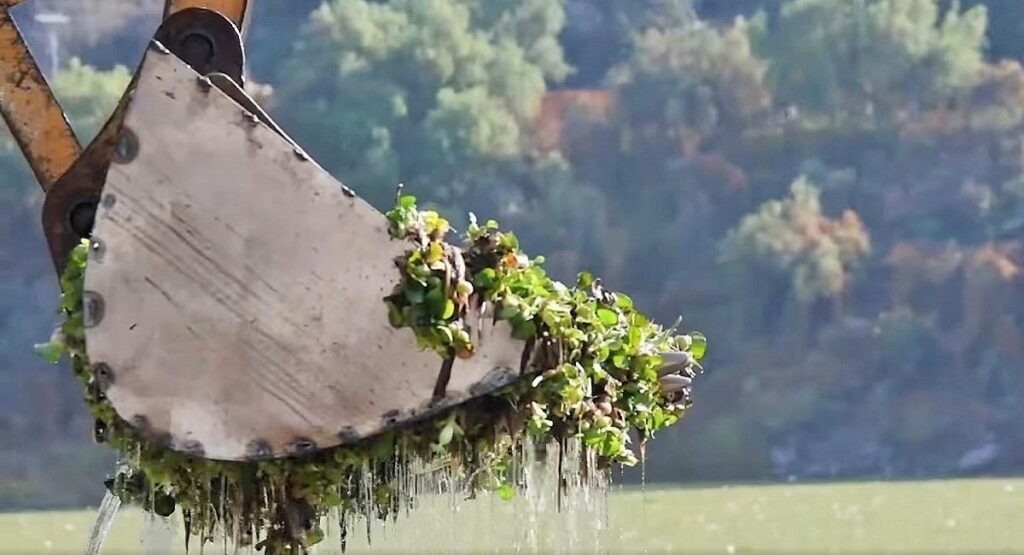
<point>234,298</point>
<point>234,303</point>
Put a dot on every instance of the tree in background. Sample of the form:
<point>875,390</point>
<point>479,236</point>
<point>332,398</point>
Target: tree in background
<point>872,57</point>
<point>89,95</point>
<point>1005,27</point>
<point>727,10</point>
<point>600,35</point>
<point>273,30</point>
<point>691,76</point>
<point>792,243</point>
<point>424,92</point>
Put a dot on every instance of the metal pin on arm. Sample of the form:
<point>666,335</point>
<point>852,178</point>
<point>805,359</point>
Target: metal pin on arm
<point>235,10</point>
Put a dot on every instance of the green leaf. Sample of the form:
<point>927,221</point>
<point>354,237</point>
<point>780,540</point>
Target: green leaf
<point>524,331</point>
<point>414,315</point>
<point>607,317</point>
<point>506,492</point>
<point>612,444</point>
<point>446,335</point>
<point>623,301</point>
<point>463,339</point>
<point>485,278</point>
<point>435,253</point>
<point>407,201</point>
<point>436,302</point>
<point>51,351</point>
<point>508,312</point>
<point>509,241</point>
<point>551,318</point>
<point>449,309</point>
<point>395,316</point>
<point>658,418</point>
<point>415,293</point>
<point>430,219</point>
<point>447,434</point>
<point>635,338</point>
<point>592,437</point>
<point>699,345</point>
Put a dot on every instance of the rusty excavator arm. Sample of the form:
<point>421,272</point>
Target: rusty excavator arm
<point>33,115</point>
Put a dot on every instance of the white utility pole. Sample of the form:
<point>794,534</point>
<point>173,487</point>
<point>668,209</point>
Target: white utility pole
<point>52,21</point>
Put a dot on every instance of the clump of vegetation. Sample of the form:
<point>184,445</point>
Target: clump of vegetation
<point>599,363</point>
<point>598,370</point>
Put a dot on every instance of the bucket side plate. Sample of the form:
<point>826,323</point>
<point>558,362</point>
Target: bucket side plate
<point>236,289</point>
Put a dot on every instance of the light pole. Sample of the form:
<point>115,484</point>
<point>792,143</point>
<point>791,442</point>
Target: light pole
<point>53,20</point>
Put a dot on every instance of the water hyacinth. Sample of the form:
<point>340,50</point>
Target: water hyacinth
<point>601,375</point>
<point>601,364</point>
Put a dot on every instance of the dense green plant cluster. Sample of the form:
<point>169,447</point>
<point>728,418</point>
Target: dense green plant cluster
<point>594,375</point>
<point>598,362</point>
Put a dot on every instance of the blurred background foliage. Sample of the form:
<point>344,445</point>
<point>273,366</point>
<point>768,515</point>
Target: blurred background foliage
<point>832,190</point>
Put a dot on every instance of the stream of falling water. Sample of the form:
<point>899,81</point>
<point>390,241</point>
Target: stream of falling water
<point>104,520</point>
<point>539,519</point>
<point>158,535</point>
<point>435,513</point>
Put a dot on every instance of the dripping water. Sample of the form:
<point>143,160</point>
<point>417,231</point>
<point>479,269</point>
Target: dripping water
<point>441,515</point>
<point>560,505</point>
<point>158,535</point>
<point>104,521</point>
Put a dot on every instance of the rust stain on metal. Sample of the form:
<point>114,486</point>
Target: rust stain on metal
<point>81,183</point>
<point>32,113</point>
<point>235,10</point>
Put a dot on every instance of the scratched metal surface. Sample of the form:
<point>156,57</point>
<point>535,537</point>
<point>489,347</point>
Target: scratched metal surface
<point>238,289</point>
